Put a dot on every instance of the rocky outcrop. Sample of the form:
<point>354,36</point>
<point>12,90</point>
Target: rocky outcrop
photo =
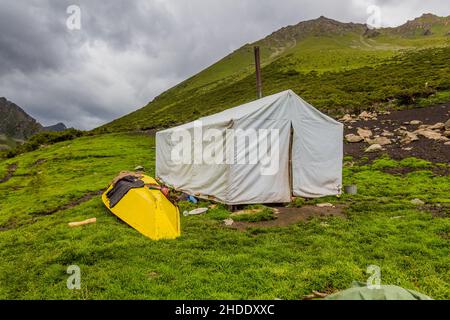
<point>56,128</point>
<point>15,122</point>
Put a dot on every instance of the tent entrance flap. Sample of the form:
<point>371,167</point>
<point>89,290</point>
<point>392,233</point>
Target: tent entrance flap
<point>291,173</point>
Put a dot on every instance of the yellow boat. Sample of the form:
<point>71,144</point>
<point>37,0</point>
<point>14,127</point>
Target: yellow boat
<point>148,211</point>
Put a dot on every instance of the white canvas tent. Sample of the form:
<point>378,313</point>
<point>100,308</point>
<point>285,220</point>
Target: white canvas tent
<point>265,151</point>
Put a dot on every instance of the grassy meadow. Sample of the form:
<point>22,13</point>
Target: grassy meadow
<point>210,261</point>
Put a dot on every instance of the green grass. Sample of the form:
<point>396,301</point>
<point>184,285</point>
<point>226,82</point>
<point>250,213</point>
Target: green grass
<point>210,261</point>
<point>7,143</point>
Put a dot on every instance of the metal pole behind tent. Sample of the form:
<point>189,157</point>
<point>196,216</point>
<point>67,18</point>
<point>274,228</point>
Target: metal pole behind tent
<point>258,73</point>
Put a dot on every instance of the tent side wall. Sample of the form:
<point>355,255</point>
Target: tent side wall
<point>265,181</point>
<point>317,153</point>
<point>200,179</point>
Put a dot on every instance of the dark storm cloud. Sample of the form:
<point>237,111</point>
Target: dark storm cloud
<point>127,52</point>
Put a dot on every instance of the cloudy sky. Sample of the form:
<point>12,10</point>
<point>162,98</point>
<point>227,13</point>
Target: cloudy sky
<point>128,52</point>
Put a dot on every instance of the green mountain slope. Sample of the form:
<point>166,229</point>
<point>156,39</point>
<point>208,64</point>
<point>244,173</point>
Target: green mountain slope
<point>339,67</point>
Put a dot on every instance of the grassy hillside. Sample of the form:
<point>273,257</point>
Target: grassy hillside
<point>7,143</point>
<point>380,227</point>
<point>337,66</point>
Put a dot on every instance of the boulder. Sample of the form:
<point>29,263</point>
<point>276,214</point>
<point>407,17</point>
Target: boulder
<point>374,148</point>
<point>409,137</point>
<point>364,133</point>
<point>382,141</point>
<point>430,134</point>
<point>353,138</point>
<point>446,134</point>
<point>325,205</point>
<point>228,222</point>
<point>346,118</point>
<point>447,143</point>
<point>437,126</point>
<point>417,202</point>
<point>387,134</point>
<point>447,125</point>
<point>367,116</point>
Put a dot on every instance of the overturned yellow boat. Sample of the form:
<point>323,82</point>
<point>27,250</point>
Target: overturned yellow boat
<point>147,210</point>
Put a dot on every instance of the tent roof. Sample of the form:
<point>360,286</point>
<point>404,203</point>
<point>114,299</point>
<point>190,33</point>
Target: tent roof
<point>234,113</point>
<point>244,110</point>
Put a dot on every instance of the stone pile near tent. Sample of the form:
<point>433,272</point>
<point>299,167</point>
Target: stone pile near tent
<point>404,135</point>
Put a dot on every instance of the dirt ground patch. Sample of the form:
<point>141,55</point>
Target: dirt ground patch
<point>70,205</point>
<point>438,211</point>
<point>434,151</point>
<point>438,171</point>
<point>288,216</point>
<point>9,173</point>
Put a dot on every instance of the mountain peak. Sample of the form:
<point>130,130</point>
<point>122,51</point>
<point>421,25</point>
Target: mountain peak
<point>15,122</point>
<point>56,127</point>
<point>424,25</point>
<point>321,26</point>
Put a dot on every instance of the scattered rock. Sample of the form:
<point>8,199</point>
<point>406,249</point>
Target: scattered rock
<point>430,134</point>
<point>353,138</point>
<point>387,134</point>
<point>437,126</point>
<point>447,125</point>
<point>446,134</point>
<point>409,137</point>
<point>367,116</point>
<point>382,141</point>
<point>447,143</point>
<point>139,168</point>
<point>228,222</point>
<point>325,205</point>
<point>415,122</point>
<point>364,133</point>
<point>346,118</point>
<point>407,149</point>
<point>374,148</point>
<point>417,202</point>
